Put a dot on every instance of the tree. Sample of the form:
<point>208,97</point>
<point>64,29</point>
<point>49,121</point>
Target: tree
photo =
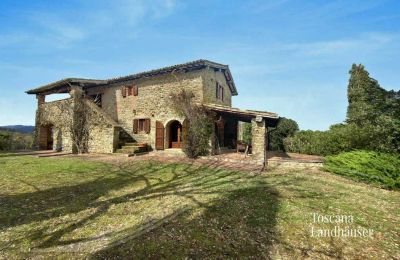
<point>367,100</point>
<point>199,123</point>
<point>375,110</point>
<point>373,121</point>
<point>285,128</point>
<point>5,140</point>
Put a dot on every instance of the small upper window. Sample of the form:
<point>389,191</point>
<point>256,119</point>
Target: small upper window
<point>96,98</point>
<point>219,91</point>
<point>129,91</point>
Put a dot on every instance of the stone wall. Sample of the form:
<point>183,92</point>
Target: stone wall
<point>102,139</point>
<point>103,130</point>
<point>152,102</point>
<point>51,114</point>
<point>103,134</point>
<point>210,78</point>
<point>258,141</point>
<point>154,99</point>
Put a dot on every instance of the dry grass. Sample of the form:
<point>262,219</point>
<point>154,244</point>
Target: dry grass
<point>68,207</point>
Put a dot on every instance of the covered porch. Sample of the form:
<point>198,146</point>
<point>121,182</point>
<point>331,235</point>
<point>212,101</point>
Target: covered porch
<point>227,134</point>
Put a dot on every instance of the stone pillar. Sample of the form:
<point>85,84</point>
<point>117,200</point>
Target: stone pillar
<point>76,92</point>
<point>41,99</point>
<point>78,121</point>
<point>258,142</point>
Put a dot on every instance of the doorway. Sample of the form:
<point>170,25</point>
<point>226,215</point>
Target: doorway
<point>175,134</point>
<point>46,137</point>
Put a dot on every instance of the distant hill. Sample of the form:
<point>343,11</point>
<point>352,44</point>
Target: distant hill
<point>26,129</point>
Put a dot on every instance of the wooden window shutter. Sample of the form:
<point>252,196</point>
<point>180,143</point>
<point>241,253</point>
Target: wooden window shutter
<point>147,125</point>
<point>135,126</point>
<point>222,93</point>
<point>217,90</point>
<point>159,136</point>
<point>135,90</point>
<point>123,91</point>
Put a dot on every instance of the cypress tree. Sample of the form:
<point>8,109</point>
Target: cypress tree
<point>367,100</point>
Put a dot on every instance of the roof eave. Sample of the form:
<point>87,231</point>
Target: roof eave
<point>252,113</point>
<point>54,86</point>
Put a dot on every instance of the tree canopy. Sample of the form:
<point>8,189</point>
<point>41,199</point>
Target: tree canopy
<point>372,123</point>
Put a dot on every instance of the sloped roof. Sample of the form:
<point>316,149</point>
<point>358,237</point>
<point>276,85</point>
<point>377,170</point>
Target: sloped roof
<point>193,65</point>
<point>245,115</point>
<point>60,84</point>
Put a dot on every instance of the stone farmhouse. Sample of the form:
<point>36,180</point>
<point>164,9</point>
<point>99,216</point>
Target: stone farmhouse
<point>134,112</point>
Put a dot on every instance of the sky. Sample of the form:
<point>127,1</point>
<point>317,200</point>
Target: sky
<point>288,57</point>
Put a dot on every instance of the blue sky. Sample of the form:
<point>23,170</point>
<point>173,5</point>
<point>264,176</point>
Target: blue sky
<point>289,57</point>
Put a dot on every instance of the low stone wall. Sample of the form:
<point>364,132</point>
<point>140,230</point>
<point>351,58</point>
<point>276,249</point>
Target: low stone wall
<point>293,164</point>
<point>230,160</point>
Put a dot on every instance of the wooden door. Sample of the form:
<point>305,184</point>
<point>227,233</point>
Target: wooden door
<point>49,138</point>
<point>159,136</point>
<point>177,144</point>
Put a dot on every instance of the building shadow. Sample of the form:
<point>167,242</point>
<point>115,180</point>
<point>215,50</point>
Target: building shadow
<point>241,224</point>
<point>237,222</point>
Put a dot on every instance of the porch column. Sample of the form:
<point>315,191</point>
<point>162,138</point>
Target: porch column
<point>258,142</point>
<point>41,99</point>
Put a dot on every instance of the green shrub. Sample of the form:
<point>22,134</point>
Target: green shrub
<point>285,128</point>
<point>199,124</point>
<point>383,137</point>
<point>247,133</point>
<point>336,140</point>
<point>11,141</point>
<point>378,168</point>
<point>5,141</point>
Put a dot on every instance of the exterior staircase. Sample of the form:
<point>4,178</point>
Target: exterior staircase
<point>128,146</point>
<point>132,148</point>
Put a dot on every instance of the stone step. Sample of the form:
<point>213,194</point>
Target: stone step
<point>129,150</point>
<point>126,150</point>
<point>130,145</point>
<point>136,154</point>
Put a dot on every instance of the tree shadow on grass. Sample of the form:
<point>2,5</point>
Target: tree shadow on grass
<point>240,224</point>
<point>240,220</point>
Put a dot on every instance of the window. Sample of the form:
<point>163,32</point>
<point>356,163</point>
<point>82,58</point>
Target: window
<point>134,90</point>
<point>129,91</point>
<point>96,98</point>
<point>141,126</point>
<point>219,91</point>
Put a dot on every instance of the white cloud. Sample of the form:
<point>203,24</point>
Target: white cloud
<point>363,42</point>
<point>65,28</point>
<point>128,13</point>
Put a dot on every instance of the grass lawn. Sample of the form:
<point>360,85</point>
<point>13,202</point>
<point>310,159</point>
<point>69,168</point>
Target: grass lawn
<point>70,207</point>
